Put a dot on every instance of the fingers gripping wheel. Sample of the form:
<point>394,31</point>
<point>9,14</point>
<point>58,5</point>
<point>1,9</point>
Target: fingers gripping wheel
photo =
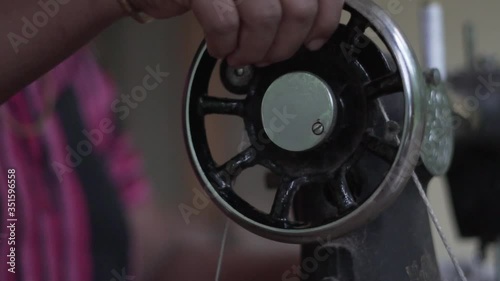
<point>334,101</point>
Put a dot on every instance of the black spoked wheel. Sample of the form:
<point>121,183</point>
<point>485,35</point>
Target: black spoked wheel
<point>316,121</point>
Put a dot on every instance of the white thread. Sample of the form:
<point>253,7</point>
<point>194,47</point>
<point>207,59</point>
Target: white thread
<point>438,227</point>
<point>384,113</point>
<point>221,253</point>
<point>497,271</point>
<point>430,211</point>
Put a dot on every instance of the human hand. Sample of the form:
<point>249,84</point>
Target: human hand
<point>255,31</point>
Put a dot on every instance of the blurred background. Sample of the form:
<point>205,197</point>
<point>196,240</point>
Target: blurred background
<point>127,48</point>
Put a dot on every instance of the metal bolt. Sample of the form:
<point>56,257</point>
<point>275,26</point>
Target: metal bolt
<point>433,77</point>
<point>238,77</point>
<point>392,130</point>
<point>318,128</point>
<point>239,71</point>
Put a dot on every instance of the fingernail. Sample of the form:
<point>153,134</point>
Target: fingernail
<point>316,44</point>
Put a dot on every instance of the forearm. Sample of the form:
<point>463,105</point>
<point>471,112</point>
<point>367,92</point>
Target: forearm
<point>37,35</point>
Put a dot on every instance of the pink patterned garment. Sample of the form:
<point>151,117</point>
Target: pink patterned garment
<point>75,175</point>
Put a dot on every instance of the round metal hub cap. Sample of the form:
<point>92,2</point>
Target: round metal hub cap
<point>437,146</point>
<point>299,111</point>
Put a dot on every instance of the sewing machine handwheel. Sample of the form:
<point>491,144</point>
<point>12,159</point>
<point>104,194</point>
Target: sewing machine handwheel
<point>336,121</point>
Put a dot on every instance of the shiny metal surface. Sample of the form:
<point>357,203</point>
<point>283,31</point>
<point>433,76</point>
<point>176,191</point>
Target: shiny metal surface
<point>239,76</point>
<point>294,104</point>
<point>438,144</point>
<point>398,175</point>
